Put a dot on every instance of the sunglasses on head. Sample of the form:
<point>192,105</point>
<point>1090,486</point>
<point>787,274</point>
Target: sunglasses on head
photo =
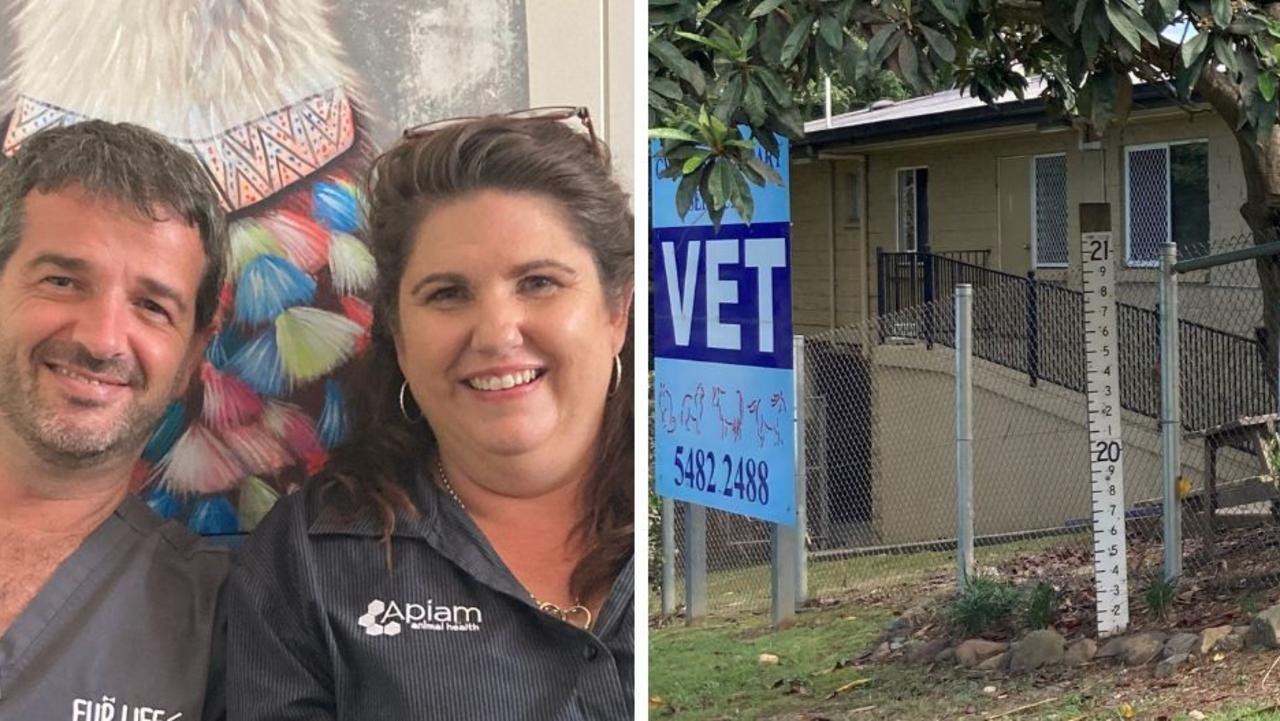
<point>553,113</point>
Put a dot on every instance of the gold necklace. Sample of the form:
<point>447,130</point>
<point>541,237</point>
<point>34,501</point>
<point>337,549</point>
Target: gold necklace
<point>568,614</point>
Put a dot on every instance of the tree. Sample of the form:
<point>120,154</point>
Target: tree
<point>716,67</point>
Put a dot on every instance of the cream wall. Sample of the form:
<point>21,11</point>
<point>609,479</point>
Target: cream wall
<point>581,52</point>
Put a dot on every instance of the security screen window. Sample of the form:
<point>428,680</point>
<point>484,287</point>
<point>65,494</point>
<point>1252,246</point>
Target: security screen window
<point>913,209</point>
<point>1049,176</point>
<point>1167,199</point>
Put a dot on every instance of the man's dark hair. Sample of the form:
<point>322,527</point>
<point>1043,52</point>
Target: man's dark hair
<point>128,164</point>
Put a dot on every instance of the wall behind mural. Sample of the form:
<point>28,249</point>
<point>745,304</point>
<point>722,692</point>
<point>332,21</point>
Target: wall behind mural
<point>284,103</point>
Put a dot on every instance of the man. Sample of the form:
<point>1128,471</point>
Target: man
<point>112,248</point>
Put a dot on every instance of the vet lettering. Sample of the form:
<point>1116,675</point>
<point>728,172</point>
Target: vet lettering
<point>760,256</point>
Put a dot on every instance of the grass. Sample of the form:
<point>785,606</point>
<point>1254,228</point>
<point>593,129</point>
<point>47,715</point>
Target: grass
<point>711,671</point>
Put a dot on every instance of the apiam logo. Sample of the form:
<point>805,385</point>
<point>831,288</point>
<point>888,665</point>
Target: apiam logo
<point>390,618</point>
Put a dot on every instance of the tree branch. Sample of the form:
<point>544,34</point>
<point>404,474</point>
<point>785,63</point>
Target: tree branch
<point>1222,94</point>
<point>1025,11</point>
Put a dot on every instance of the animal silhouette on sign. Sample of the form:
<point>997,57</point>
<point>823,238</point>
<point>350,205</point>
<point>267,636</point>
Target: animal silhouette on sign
<point>769,420</point>
<point>666,413</point>
<point>730,426</point>
<point>691,409</point>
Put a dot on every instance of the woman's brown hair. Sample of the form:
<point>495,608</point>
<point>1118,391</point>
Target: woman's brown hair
<point>542,157</point>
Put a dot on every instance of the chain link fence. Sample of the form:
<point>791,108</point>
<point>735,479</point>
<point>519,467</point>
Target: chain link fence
<point>880,444</point>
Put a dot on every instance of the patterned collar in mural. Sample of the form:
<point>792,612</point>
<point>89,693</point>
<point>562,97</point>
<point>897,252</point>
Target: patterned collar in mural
<point>249,162</point>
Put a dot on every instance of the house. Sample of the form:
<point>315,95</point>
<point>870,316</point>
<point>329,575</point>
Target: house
<point>949,174</point>
<point>996,188</point>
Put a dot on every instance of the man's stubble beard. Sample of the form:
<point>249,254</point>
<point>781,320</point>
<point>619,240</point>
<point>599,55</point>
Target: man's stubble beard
<point>62,444</point>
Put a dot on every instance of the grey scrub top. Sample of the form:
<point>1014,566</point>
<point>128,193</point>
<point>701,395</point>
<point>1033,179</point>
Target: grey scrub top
<point>320,628</point>
<point>121,631</point>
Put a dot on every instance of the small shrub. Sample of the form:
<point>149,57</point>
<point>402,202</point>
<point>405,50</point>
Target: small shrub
<point>1159,595</point>
<point>1251,603</point>
<point>984,604</point>
<point>1041,609</point>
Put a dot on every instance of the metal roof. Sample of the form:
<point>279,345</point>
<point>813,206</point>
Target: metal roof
<point>942,112</point>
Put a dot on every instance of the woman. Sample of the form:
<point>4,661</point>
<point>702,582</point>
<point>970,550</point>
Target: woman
<point>468,554</point>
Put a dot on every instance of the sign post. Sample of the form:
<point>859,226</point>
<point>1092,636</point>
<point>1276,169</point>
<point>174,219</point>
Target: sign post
<point>724,397</point>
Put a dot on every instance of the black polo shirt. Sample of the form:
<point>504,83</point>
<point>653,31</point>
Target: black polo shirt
<point>121,630</point>
<point>320,628</point>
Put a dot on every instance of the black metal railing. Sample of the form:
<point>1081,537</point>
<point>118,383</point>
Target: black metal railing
<point>1037,328</point>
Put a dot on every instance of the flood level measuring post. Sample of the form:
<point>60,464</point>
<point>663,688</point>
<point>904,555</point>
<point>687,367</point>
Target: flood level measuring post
<point>1106,446</point>
<point>724,384</point>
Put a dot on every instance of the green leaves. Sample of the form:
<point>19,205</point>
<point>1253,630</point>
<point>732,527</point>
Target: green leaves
<point>1193,48</point>
<point>674,61</point>
<point>949,11</point>
<point>764,8</point>
<point>884,42</point>
<point>1267,86</point>
<point>1221,13</point>
<point>1131,26</point>
<point>939,43</point>
<point>795,41</point>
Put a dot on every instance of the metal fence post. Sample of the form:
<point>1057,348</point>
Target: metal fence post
<point>930,295</point>
<point>783,571</point>
<point>785,543</point>
<point>802,474</point>
<point>880,299</point>
<point>964,433</point>
<point>695,562</point>
<point>668,556</point>
<point>1170,413</point>
<point>1033,329</point>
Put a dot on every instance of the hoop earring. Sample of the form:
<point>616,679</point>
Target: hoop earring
<point>404,412</point>
<point>615,382</point>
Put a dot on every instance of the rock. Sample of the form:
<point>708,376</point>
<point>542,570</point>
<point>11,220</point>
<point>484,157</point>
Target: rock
<point>1180,643</point>
<point>926,652</point>
<point>1080,652</point>
<point>767,659</point>
<point>881,653</point>
<point>997,662</point>
<point>976,650</point>
<point>947,655</point>
<point>1134,650</point>
<point>1036,650</point>
<point>1234,642</point>
<point>989,690</point>
<point>1196,715</point>
<point>1143,648</point>
<point>896,644</point>
<point>1113,648</point>
<point>899,627</point>
<point>1169,665</point>
<point>1210,637</point>
<point>1264,629</point>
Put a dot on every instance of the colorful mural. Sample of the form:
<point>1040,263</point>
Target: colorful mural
<point>284,104</point>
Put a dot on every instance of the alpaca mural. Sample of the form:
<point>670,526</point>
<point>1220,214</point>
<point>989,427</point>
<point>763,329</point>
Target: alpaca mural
<point>269,98</point>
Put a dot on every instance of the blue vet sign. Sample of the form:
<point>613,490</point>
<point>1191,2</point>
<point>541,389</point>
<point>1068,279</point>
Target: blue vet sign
<point>723,387</point>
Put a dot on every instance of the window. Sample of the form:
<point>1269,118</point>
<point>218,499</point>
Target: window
<point>913,209</point>
<point>853,181</point>
<point>1049,211</point>
<point>1166,200</point>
